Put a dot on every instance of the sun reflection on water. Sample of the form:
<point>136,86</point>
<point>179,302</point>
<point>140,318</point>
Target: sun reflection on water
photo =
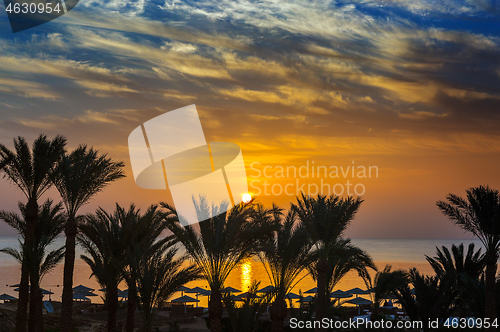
<point>246,275</point>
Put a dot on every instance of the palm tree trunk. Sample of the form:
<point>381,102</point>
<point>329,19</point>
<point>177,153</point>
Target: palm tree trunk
<point>112,298</point>
<point>131,305</point>
<point>69,265</point>
<point>278,312</point>
<point>39,310</point>
<point>31,220</point>
<point>32,311</point>
<point>322,305</point>
<point>215,311</point>
<point>491,270</point>
<point>22,304</point>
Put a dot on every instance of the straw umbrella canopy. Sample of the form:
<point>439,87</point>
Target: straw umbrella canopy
<point>292,296</point>
<point>312,291</point>
<point>339,294</point>
<point>123,294</point>
<point>230,290</point>
<point>183,289</point>
<point>266,290</point>
<point>81,288</point>
<point>358,291</point>
<point>7,297</point>
<point>184,299</point>
<point>85,293</point>
<point>246,295</point>
<point>308,299</point>
<point>359,301</point>
<point>198,291</point>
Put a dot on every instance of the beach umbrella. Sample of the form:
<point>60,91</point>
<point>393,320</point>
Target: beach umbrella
<point>312,291</point>
<point>183,289</point>
<point>267,289</point>
<point>199,291</point>
<point>230,290</point>
<point>80,297</point>
<point>184,299</point>
<point>339,294</point>
<point>359,301</point>
<point>85,293</point>
<point>245,295</point>
<point>102,289</point>
<point>358,291</point>
<point>15,285</point>
<point>308,299</point>
<point>7,297</point>
<point>44,291</point>
<point>123,294</point>
<point>81,288</point>
<point>292,296</point>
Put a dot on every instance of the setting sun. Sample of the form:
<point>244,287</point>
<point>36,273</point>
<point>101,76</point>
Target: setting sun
<point>246,198</point>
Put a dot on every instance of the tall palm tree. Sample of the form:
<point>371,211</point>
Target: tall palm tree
<point>159,277</point>
<point>325,219</point>
<point>285,256</point>
<point>223,241</point>
<point>50,224</point>
<point>479,213</point>
<point>145,231</point>
<point>105,241</point>
<point>464,270</point>
<point>30,170</point>
<point>79,177</point>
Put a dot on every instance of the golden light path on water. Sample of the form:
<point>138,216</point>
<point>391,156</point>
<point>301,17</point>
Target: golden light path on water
<point>246,275</point>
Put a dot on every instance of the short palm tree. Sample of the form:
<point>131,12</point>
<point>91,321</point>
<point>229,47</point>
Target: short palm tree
<point>464,269</point>
<point>479,214</point>
<point>50,224</point>
<point>325,219</point>
<point>285,256</point>
<point>105,241</point>
<point>30,170</point>
<point>79,176</point>
<point>386,283</point>
<point>223,241</point>
<point>159,277</point>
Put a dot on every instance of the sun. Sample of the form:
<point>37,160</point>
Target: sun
<point>246,198</point>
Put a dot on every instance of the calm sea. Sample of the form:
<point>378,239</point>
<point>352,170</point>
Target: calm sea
<point>400,253</point>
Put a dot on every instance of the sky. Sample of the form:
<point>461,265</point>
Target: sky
<point>409,88</point>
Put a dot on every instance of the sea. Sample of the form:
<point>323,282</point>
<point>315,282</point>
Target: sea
<point>399,253</point>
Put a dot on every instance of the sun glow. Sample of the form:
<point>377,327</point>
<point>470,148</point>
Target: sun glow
<point>246,198</point>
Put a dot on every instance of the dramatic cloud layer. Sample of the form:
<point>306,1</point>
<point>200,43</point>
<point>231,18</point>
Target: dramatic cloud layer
<point>410,86</point>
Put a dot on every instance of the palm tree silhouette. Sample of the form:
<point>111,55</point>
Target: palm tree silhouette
<point>50,224</point>
<point>79,176</point>
<point>30,170</point>
<point>386,284</point>
<point>105,241</point>
<point>285,256</point>
<point>479,213</point>
<point>325,219</point>
<point>464,270</point>
<point>223,241</point>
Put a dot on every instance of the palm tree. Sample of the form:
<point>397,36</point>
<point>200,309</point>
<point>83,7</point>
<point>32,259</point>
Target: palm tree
<point>285,256</point>
<point>79,177</point>
<point>429,298</point>
<point>159,277</point>
<point>479,214</point>
<point>223,241</point>
<point>105,241</point>
<point>325,219</point>
<point>145,231</point>
<point>464,270</point>
<point>30,170</point>
<point>386,284</point>
<point>50,224</point>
